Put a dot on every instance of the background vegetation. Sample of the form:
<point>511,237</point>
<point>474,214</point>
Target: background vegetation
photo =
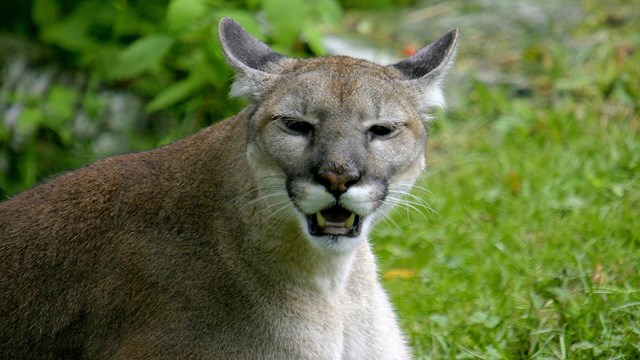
<point>523,240</point>
<point>530,247</point>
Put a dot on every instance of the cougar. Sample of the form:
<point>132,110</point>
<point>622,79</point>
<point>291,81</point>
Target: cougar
<point>247,240</point>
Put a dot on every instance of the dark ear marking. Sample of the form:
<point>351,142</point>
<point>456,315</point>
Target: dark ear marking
<point>433,60</point>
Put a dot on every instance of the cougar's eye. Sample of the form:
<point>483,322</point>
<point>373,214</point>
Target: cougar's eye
<point>381,130</point>
<point>295,126</point>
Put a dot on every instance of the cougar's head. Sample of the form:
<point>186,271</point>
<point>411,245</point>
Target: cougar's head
<point>334,141</point>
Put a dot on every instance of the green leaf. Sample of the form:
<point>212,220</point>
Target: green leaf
<point>60,105</point>
<point>326,11</point>
<point>314,39</point>
<point>440,320</point>
<point>142,55</point>
<point>182,14</point>
<point>482,318</point>
<point>286,18</point>
<point>45,13</point>
<point>4,134</point>
<point>29,121</point>
<point>128,23</point>
<point>74,32</point>
<point>583,345</point>
<point>70,34</point>
<point>175,93</point>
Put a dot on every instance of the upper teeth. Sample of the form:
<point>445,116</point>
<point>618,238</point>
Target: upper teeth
<point>350,220</point>
<point>322,221</point>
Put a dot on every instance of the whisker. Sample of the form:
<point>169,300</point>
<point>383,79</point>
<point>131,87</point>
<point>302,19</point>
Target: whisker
<point>418,206</point>
<point>403,193</point>
<point>407,205</point>
<point>259,189</point>
<point>417,187</point>
<point>416,200</point>
<point>389,219</point>
<point>254,190</point>
<point>263,197</point>
<point>280,218</point>
<point>267,208</point>
<point>232,160</point>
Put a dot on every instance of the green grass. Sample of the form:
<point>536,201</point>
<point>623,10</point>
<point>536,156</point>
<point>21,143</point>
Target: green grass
<point>532,246</point>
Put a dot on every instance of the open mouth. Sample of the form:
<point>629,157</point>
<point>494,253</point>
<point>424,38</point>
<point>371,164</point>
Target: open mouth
<point>335,220</point>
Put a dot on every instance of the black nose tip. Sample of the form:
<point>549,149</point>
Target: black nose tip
<point>337,183</point>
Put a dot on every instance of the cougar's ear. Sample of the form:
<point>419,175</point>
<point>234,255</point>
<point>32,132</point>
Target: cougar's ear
<point>426,69</point>
<point>251,59</point>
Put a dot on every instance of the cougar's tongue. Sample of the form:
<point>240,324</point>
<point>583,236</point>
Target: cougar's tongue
<point>335,220</point>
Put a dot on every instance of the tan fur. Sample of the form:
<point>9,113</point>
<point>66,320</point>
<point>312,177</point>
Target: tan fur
<point>199,249</point>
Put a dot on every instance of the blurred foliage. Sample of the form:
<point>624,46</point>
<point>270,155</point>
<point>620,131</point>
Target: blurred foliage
<point>167,52</point>
<point>376,4</point>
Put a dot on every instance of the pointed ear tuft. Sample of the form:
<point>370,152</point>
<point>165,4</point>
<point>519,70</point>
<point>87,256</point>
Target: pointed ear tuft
<point>250,58</point>
<point>242,49</point>
<point>432,61</point>
<point>426,69</point>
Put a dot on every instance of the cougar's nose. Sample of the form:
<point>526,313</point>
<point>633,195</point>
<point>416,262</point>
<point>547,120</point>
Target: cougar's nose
<point>337,183</point>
